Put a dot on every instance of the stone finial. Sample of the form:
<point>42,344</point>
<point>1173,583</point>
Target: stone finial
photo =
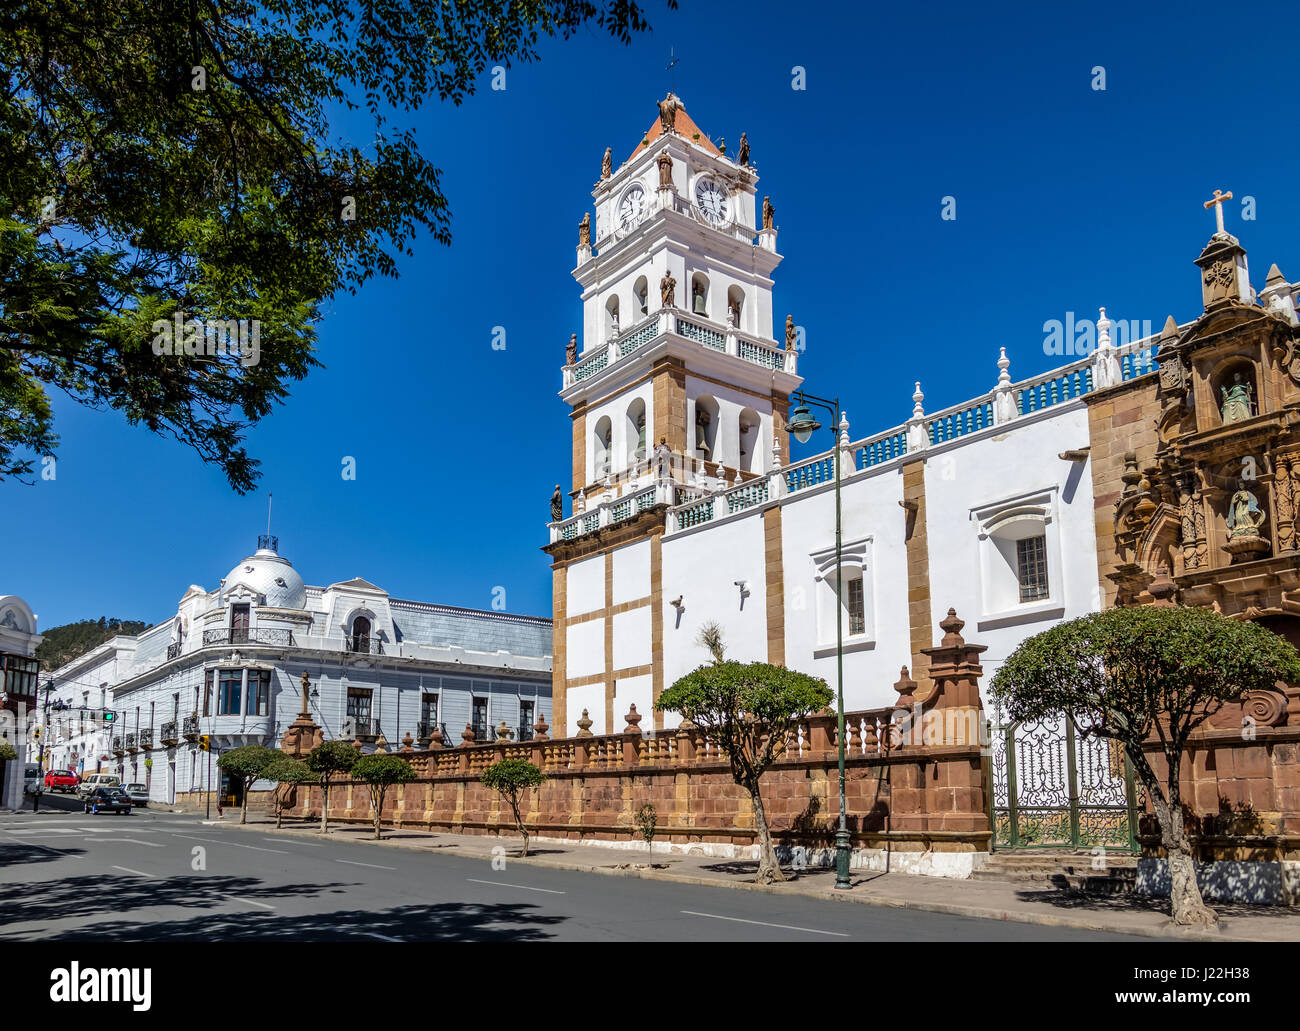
<point>1131,476</point>
<point>1004,398</point>
<point>408,743</point>
<point>467,736</point>
<point>776,454</point>
<point>917,437</point>
<point>435,738</point>
<point>905,687</point>
<point>584,725</point>
<point>541,727</point>
<point>381,745</point>
<point>633,718</point>
<point>1170,332</point>
<point>1004,368</point>
<point>1103,329</point>
<point>951,628</point>
<point>356,743</point>
<point>917,398</point>
<point>503,732</point>
<point>844,430</point>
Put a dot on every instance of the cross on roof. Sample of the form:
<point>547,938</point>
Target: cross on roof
<point>1217,204</point>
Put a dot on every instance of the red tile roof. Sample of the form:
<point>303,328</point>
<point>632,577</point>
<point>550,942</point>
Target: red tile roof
<point>685,127</point>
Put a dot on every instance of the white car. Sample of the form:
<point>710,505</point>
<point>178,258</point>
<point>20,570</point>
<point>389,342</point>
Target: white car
<point>137,793</point>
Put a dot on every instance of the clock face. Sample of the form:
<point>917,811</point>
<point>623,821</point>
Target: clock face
<point>631,207</point>
<point>712,201</point>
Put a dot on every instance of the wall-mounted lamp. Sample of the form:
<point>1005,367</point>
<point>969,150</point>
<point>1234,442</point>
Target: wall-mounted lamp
<point>677,603</point>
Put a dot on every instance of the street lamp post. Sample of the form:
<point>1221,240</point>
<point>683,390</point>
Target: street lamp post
<point>802,425</point>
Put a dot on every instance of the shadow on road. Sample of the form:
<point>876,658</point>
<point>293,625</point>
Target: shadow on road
<point>20,853</point>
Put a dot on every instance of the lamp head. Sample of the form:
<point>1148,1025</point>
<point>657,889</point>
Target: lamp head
<point>802,424</point>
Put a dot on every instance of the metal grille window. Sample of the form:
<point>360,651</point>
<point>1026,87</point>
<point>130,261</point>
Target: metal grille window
<point>855,601</point>
<point>1031,563</point>
<point>479,722</point>
<point>525,721</point>
<point>359,703</point>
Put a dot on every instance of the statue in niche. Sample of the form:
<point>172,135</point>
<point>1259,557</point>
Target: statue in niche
<point>668,291</point>
<point>607,164</point>
<point>571,350</point>
<point>769,213</point>
<point>1244,515</point>
<point>584,231</point>
<point>742,155</point>
<point>665,164</point>
<point>1237,400</point>
<point>557,505</point>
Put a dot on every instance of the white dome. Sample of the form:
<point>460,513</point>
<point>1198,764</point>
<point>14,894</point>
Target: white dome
<point>266,573</point>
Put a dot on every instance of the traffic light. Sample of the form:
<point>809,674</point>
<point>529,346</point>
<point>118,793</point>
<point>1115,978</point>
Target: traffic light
<point>204,743</point>
<point>109,715</point>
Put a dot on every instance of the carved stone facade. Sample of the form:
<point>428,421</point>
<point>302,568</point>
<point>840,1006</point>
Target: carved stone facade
<point>1205,453</point>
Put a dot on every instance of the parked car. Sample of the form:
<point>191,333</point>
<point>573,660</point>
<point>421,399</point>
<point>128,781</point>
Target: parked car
<point>61,780</point>
<point>108,800</point>
<point>98,780</point>
<point>138,793</point>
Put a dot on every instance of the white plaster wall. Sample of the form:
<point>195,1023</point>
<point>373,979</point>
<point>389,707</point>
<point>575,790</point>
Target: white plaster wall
<point>631,638</point>
<point>585,649</point>
<point>634,691</point>
<point>632,572</point>
<point>870,509</point>
<point>591,698</point>
<point>584,585</point>
<point>989,469</point>
<point>702,567</point>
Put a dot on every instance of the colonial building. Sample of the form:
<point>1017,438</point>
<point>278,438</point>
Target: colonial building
<point>229,664</point>
<point>19,669</point>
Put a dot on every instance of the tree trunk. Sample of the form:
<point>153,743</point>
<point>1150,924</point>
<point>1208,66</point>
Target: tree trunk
<point>769,870</point>
<point>378,803</point>
<point>279,806</point>
<point>1186,906</point>
<point>325,807</point>
<point>519,824</point>
<point>243,809</point>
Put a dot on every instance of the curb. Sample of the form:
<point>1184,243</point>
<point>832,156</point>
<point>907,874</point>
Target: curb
<point>948,908</point>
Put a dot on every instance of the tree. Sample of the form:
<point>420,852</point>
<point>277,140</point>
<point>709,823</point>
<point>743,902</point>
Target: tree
<point>246,763</point>
<point>749,710</point>
<point>1144,673</point>
<point>647,818</point>
<point>285,771</point>
<point>710,638</point>
<point>379,772</point>
<point>177,165</point>
<point>7,753</point>
<point>511,777</point>
<point>329,760</point>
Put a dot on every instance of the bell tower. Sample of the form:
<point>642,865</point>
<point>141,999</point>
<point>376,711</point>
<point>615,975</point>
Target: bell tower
<point>678,385</point>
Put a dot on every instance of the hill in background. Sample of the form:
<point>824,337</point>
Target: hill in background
<point>64,643</point>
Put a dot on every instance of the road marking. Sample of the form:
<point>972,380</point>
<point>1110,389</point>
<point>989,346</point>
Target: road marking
<point>129,841</point>
<point>247,902</point>
<point>291,841</point>
<point>375,865</point>
<point>764,923</point>
<point>382,937</point>
<point>525,887</point>
<point>138,873</point>
<point>232,844</point>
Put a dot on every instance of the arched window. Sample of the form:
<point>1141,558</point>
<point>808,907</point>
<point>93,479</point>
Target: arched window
<point>735,306</point>
<point>751,458</point>
<point>706,428</point>
<point>611,318</point>
<point>602,442</point>
<point>360,640</point>
<point>700,294</point>
<point>635,433</point>
<point>641,295</point>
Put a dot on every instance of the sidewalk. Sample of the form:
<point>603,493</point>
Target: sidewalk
<point>1026,903</point>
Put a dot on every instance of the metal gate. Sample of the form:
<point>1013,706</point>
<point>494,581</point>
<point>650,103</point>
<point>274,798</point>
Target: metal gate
<point>1052,789</point>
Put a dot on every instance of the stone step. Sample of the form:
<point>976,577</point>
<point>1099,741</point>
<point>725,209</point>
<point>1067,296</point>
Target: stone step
<point>1069,871</point>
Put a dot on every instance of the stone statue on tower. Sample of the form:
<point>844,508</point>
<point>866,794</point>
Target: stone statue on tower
<point>607,164</point>
<point>584,231</point>
<point>571,350</point>
<point>557,505</point>
<point>769,213</point>
<point>668,108</point>
<point>742,155</point>
<point>665,164</point>
<point>668,291</point>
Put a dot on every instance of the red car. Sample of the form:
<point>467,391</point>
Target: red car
<point>61,780</point>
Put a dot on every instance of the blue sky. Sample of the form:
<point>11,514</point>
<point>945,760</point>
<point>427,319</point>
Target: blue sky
<point>1067,198</point>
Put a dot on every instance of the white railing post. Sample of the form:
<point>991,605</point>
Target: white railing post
<point>1004,398</point>
<point>776,476</point>
<point>1105,363</point>
<point>917,438</point>
<point>848,463</point>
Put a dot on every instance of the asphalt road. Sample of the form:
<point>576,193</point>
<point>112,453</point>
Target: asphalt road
<point>155,876</point>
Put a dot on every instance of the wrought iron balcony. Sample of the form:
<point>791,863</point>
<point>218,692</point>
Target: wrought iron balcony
<point>261,635</point>
<point>190,727</point>
<point>360,728</point>
<point>364,644</point>
<point>118,747</point>
<point>131,745</point>
<point>146,738</point>
<point>168,734</point>
<point>173,650</point>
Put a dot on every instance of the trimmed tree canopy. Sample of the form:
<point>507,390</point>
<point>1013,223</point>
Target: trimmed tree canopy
<point>382,769</point>
<point>248,761</point>
<point>332,757</point>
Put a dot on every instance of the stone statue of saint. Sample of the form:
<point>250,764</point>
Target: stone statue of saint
<point>665,164</point>
<point>769,213</point>
<point>742,155</point>
<point>668,108</point>
<point>1244,515</point>
<point>607,164</point>
<point>584,231</point>
<point>791,334</point>
<point>1236,400</point>
<point>571,350</point>
<point>557,505</point>
<point>668,291</point>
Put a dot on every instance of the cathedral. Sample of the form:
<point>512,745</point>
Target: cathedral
<point>1145,471</point>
